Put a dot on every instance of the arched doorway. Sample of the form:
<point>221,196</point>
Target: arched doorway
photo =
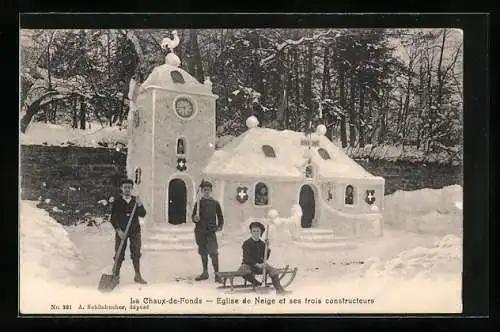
<point>308,205</point>
<point>177,200</point>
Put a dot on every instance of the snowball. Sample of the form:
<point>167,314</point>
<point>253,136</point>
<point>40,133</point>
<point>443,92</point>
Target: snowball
<point>321,129</point>
<point>374,208</point>
<point>111,199</point>
<point>173,60</point>
<point>210,145</point>
<point>47,200</point>
<point>273,214</point>
<point>252,122</point>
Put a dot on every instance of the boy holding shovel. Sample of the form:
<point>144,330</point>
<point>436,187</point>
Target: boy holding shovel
<point>120,215</point>
<point>208,221</point>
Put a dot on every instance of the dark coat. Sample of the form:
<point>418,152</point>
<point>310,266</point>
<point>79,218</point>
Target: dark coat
<point>253,252</point>
<point>210,215</point>
<point>120,214</point>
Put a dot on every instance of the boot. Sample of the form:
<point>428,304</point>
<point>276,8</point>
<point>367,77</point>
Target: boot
<point>204,274</point>
<point>215,264</point>
<point>251,279</point>
<point>138,278</point>
<point>279,289</point>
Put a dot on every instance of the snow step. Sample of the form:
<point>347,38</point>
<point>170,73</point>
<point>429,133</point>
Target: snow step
<point>325,245</point>
<point>176,237</point>
<point>316,231</point>
<point>323,238</point>
<point>174,246</point>
<point>170,229</point>
<point>168,240</point>
<point>169,247</point>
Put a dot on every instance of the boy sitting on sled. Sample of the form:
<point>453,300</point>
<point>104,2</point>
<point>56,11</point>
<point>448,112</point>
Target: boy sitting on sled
<point>253,259</point>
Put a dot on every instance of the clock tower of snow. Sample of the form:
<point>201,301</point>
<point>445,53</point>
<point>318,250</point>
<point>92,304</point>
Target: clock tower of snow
<point>172,135</point>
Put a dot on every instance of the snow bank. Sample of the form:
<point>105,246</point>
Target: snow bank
<point>46,252</point>
<point>444,257</point>
<point>39,133</point>
<point>433,211</point>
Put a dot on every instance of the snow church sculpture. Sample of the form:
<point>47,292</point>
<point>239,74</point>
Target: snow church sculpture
<point>171,138</point>
<point>172,134</point>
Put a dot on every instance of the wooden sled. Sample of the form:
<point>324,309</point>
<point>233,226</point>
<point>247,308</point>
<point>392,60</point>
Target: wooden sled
<point>231,275</point>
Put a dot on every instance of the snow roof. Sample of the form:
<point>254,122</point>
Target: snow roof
<point>163,77</point>
<point>244,156</point>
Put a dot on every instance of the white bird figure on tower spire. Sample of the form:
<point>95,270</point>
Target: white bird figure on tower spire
<point>170,43</point>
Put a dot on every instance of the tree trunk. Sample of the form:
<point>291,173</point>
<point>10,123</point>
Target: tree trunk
<point>297,89</point>
<point>352,114</point>
<point>343,129</point>
<point>32,110</point>
<point>421,104</point>
<point>83,113</point>
<point>383,118</point>
<point>324,85</point>
<point>197,63</point>
<point>308,97</point>
<point>75,111</point>
<point>361,118</point>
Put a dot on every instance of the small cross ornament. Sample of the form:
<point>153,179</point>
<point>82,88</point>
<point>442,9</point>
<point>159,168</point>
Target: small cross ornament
<point>242,194</point>
<point>181,164</point>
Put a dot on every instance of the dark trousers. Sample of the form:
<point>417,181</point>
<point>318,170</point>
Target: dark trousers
<point>207,243</point>
<point>248,270</point>
<point>135,246</point>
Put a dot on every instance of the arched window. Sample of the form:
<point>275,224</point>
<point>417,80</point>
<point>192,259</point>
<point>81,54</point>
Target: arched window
<point>181,146</point>
<point>138,173</point>
<point>309,172</point>
<point>261,194</point>
<point>349,195</point>
<point>177,77</point>
<point>324,154</point>
<point>268,151</point>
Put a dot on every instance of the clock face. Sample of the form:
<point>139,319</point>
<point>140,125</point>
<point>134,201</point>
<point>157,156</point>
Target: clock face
<point>184,107</point>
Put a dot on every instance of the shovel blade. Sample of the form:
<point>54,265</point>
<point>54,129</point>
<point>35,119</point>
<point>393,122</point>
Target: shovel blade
<point>108,282</point>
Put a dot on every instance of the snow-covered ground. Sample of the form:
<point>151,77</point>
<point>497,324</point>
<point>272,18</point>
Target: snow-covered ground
<point>406,271</point>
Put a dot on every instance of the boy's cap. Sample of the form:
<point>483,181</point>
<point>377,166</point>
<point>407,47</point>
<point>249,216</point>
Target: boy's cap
<point>205,184</point>
<point>124,181</point>
<point>255,224</point>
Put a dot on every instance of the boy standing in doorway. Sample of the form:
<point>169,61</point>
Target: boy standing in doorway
<point>209,221</point>
<point>120,215</point>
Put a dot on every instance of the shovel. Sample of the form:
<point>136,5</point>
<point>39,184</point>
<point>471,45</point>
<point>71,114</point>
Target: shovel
<point>108,282</point>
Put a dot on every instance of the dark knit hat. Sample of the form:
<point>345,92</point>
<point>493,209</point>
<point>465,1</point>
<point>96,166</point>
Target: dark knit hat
<point>254,224</point>
<point>204,184</point>
<point>123,181</point>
